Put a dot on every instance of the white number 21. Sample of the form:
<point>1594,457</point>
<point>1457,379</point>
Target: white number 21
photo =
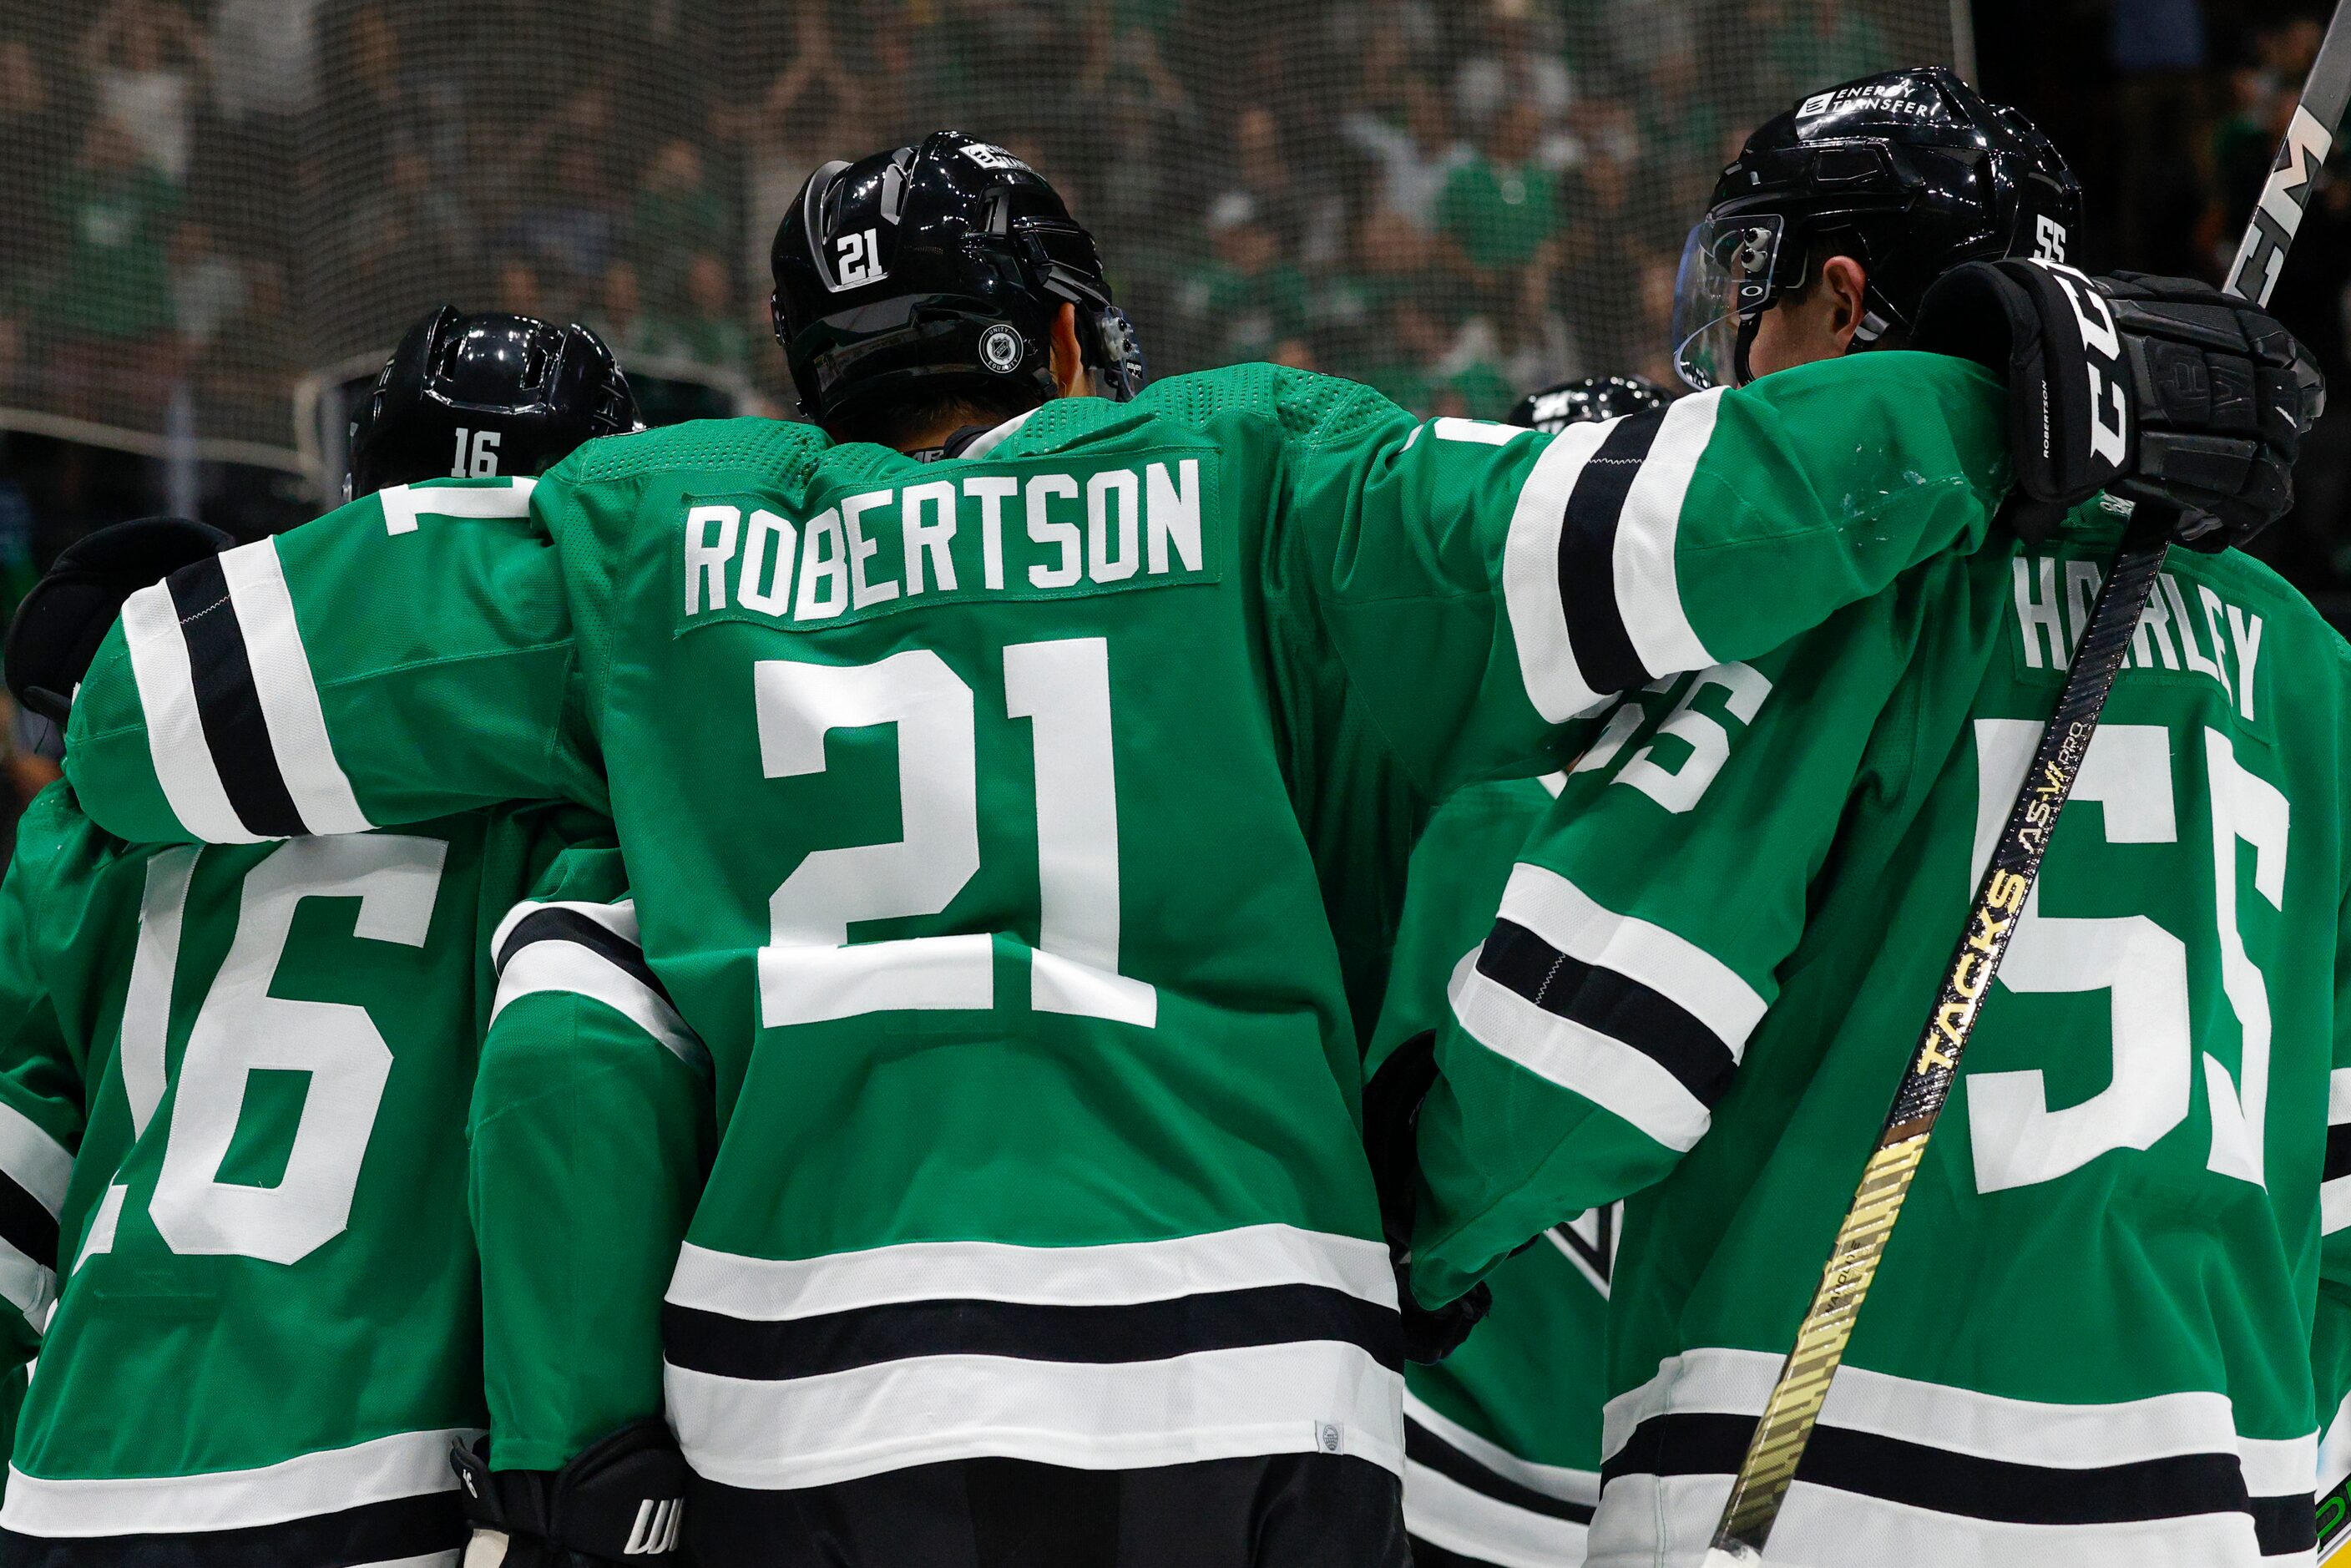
<point>809,972</point>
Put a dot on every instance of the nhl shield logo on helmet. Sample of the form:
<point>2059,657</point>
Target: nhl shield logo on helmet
<point>999,350</point>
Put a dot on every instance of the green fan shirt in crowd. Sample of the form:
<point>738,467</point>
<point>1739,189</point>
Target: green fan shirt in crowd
<point>986,817</point>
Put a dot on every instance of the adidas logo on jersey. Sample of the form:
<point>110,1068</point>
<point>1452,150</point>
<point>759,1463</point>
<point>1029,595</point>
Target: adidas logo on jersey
<point>659,1520</point>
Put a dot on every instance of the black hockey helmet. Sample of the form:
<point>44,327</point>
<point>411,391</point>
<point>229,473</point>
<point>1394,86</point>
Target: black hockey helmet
<point>1588,401</point>
<point>1912,173</point>
<point>938,267</point>
<point>523,392</point>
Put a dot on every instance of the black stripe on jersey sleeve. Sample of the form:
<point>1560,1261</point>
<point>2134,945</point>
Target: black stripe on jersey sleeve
<point>2285,1526</point>
<point>699,1341</point>
<point>1612,1004</point>
<point>384,1531</point>
<point>25,1224</point>
<point>2338,1152</point>
<point>571,925</point>
<point>1587,556</point>
<point>228,704</point>
<point>1424,1446</point>
<point>1943,1480</point>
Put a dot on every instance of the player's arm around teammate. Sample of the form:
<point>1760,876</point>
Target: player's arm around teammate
<point>589,1138</point>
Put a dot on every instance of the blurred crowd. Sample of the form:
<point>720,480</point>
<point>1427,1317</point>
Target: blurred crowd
<point>209,197</point>
<point>1455,200</point>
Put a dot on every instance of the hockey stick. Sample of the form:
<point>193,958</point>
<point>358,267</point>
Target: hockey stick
<point>1793,1410</point>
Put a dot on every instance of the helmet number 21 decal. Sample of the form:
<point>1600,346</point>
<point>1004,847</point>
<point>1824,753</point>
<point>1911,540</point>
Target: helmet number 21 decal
<point>859,258</point>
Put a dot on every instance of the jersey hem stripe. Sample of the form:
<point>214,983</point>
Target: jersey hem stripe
<point>1425,1449</point>
<point>1149,1330</point>
<point>404,1464</point>
<point>1647,1520</point>
<point>1303,1398</point>
<point>1561,1482</point>
<point>1458,1518</point>
<point>1107,1274</point>
<point>428,1531</point>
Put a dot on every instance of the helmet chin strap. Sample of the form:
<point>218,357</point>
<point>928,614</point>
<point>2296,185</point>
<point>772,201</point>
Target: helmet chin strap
<point>1749,326</point>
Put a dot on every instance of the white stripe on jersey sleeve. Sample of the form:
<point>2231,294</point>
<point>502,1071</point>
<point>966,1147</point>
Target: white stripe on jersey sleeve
<point>1302,1397</point>
<point>404,504</point>
<point>176,747</point>
<point>1530,585</point>
<point>1681,971</point>
<point>288,693</point>
<point>1648,588</point>
<point>571,969</point>
<point>405,1464</point>
<point>1608,1072</point>
<point>1118,1274</point>
<point>34,1160</point>
<point>618,918</point>
<point>2335,1196</point>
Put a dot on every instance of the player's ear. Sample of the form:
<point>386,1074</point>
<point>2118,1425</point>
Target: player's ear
<point>1071,377</point>
<point>1844,282</point>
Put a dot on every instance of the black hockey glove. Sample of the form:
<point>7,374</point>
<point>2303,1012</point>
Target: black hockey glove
<point>64,617</point>
<point>2161,391</point>
<point>621,1501</point>
<point>1391,1136</point>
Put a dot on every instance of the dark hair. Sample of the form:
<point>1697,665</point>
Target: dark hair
<point>895,422</point>
<point>1845,243</point>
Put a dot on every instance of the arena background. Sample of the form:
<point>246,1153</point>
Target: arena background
<point>219,214</point>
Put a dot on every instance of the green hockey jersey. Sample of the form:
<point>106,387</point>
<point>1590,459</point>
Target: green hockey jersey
<point>232,1094</point>
<point>2090,1339</point>
<point>1501,1439</point>
<point>979,817</point>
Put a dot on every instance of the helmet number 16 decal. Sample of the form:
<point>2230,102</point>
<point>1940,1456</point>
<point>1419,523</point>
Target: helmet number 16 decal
<point>483,460</point>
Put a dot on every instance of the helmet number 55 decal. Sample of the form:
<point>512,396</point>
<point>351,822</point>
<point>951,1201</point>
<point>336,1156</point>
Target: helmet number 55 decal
<point>858,258</point>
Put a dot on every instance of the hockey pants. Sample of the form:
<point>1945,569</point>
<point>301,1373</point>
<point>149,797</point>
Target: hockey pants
<point>1281,1510</point>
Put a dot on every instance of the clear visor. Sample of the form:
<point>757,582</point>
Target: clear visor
<point>1726,273</point>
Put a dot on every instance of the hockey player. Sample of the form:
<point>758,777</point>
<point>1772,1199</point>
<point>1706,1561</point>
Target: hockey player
<point>233,1084</point>
<point>2090,1339</point>
<point>976,814</point>
<point>1502,1438</point>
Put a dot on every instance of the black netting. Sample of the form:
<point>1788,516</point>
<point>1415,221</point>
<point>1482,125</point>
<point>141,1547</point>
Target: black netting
<point>209,199</point>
